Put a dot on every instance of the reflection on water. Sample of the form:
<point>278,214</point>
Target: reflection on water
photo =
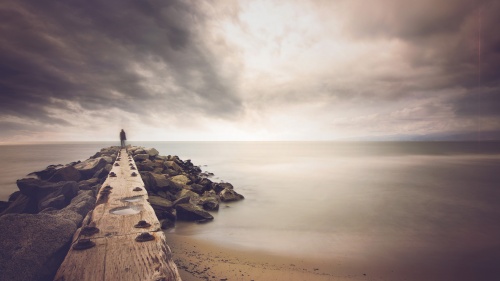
<point>429,207</point>
<point>126,210</point>
<point>424,210</point>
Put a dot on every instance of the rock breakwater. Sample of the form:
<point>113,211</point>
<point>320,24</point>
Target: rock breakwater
<point>38,222</point>
<point>178,189</point>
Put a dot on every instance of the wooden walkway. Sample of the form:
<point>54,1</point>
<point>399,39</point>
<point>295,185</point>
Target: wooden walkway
<point>120,250</point>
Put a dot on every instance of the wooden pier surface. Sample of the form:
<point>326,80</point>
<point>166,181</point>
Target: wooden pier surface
<point>117,255</point>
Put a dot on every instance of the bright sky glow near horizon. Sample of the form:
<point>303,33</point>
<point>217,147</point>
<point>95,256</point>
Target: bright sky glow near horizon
<point>249,70</point>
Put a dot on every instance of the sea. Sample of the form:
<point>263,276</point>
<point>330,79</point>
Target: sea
<point>426,207</point>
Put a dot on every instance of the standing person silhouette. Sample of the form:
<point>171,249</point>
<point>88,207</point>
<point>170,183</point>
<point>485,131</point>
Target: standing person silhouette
<point>123,137</point>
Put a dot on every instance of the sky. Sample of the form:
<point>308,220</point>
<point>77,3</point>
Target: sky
<point>249,70</point>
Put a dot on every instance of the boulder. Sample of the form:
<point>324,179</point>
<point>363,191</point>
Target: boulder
<point>47,173</point>
<point>160,203</point>
<point>140,150</point>
<point>210,193</point>
<point>181,179</point>
<point>4,205</point>
<point>48,210</point>
<point>33,246</point>
<point>108,159</point>
<point>209,201</point>
<point>170,214</point>
<point>96,155</point>
<point>206,174</point>
<point>167,223</point>
<point>111,150</point>
<point>190,168</point>
<point>163,158</point>
<point>22,204</point>
<point>206,183</point>
<point>162,194</point>
<point>152,152</point>
<point>173,158</point>
<point>191,212</point>
<point>146,165</point>
<point>158,170</point>
<point>141,157</point>
<point>209,204</point>
<point>87,184</point>
<point>192,178</point>
<point>46,196</point>
<point>188,193</point>
<point>158,182</point>
<point>217,187</point>
<point>170,173</point>
<point>196,188</point>
<point>89,167</point>
<point>14,195</point>
<point>57,202</point>
<point>103,173</point>
<point>195,170</point>
<point>227,195</point>
<point>182,200</point>
<point>83,203</point>
<point>67,173</point>
<point>226,185</point>
<point>166,195</point>
<point>30,186</point>
<point>42,191</point>
<point>171,165</point>
<point>163,208</point>
<point>148,179</point>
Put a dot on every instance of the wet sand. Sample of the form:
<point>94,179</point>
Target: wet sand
<point>199,260</point>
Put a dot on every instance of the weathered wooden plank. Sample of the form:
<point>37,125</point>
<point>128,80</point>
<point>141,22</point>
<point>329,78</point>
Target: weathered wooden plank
<point>87,264</point>
<point>121,258</point>
<point>111,224</point>
<point>150,260</point>
<point>117,255</point>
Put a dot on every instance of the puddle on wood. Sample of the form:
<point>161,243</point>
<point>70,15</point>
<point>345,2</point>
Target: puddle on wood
<point>127,210</point>
<point>133,198</point>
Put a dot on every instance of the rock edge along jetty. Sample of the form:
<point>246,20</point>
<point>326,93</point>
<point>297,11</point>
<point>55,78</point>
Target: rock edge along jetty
<point>40,220</point>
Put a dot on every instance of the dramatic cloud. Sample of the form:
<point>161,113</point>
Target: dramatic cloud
<point>170,70</point>
<point>136,56</point>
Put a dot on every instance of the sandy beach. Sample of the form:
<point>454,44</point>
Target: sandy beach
<point>200,260</point>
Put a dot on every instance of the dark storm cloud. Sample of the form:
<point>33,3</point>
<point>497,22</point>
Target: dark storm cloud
<point>407,19</point>
<point>440,34</point>
<point>484,103</point>
<point>13,126</point>
<point>55,53</point>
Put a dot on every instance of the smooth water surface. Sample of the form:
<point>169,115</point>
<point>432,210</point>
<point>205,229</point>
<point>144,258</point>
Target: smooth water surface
<point>429,207</point>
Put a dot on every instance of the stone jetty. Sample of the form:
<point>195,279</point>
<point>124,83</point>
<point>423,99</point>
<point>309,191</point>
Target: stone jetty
<point>42,223</point>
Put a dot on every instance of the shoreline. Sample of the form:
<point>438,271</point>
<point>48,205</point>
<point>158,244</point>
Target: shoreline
<point>199,260</point>
<point>203,260</point>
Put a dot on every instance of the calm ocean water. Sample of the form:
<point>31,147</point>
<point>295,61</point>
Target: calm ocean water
<point>432,207</point>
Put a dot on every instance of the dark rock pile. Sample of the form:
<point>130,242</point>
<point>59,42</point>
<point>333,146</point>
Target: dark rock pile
<point>178,189</point>
<point>39,220</point>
